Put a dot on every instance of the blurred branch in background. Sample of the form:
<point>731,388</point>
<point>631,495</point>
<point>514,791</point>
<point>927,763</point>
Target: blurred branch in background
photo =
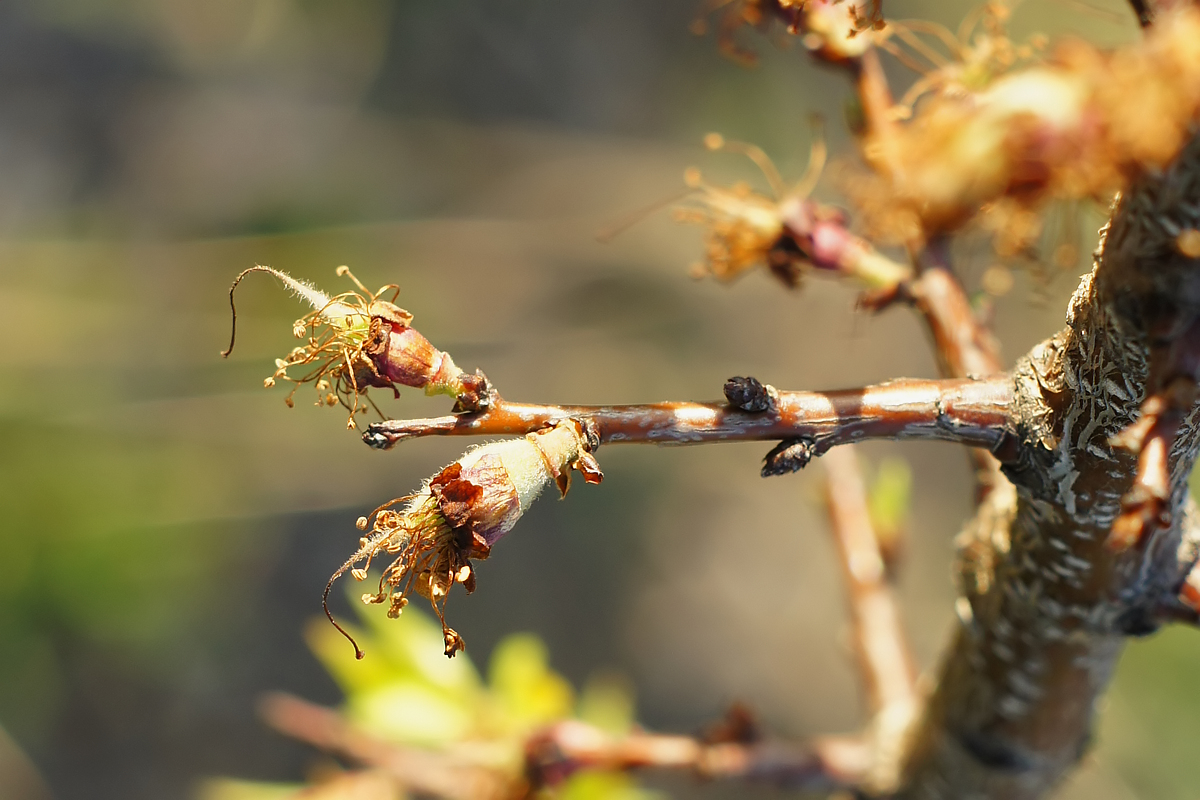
<point>19,778</point>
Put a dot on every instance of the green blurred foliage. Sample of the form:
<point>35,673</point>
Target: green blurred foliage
<point>1148,729</point>
<point>889,498</point>
<point>407,693</point>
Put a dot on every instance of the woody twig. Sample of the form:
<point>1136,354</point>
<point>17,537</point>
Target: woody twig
<point>970,412</point>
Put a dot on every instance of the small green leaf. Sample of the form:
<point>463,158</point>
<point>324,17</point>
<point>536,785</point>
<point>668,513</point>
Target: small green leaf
<point>596,785</point>
<point>230,789</point>
<point>890,496</point>
<point>406,649</point>
<point>526,689</point>
<point>607,703</point>
<point>412,713</point>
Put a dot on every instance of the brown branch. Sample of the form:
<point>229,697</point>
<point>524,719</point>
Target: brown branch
<point>1171,391</point>
<point>1181,602</point>
<point>964,346</point>
<point>1145,506</point>
<point>418,770</point>
<point>1048,601</point>
<point>883,656</point>
<point>554,753</point>
<point>975,413</point>
<point>824,764</point>
<point>1144,12</point>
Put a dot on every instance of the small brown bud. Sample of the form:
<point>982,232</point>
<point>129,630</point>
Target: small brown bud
<point>790,455</point>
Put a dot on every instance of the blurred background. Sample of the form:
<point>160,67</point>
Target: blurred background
<point>168,524</point>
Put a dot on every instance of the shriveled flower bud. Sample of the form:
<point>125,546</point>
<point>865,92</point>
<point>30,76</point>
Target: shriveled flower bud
<point>399,354</point>
<point>836,30</point>
<point>356,341</point>
<point>744,229</point>
<point>461,512</point>
<point>787,233</point>
<point>741,227</point>
<point>993,145</point>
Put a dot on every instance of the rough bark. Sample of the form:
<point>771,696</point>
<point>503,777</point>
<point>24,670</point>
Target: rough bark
<point>1048,603</point>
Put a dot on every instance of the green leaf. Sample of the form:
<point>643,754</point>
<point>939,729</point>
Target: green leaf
<point>607,703</point>
<point>230,789</point>
<point>528,692</point>
<point>412,713</point>
<point>596,785</point>
<point>406,649</point>
<point>890,496</point>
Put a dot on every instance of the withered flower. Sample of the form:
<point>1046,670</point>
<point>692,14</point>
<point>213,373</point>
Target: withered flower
<point>832,29</point>
<point>993,144</point>
<point>358,340</point>
<point>461,512</point>
<point>787,233</point>
<point>744,229</point>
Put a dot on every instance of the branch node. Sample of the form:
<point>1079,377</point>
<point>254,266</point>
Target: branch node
<point>477,394</point>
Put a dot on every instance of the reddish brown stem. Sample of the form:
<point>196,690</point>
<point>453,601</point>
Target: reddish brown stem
<point>975,413</point>
<point>879,642</point>
<point>418,770</point>
<point>964,347</point>
<point>1145,506</point>
<point>825,764</point>
<point>1144,12</point>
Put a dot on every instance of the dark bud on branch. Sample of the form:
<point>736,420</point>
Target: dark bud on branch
<point>790,455</point>
<point>749,394</point>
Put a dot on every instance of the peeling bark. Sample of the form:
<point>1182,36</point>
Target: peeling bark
<point>1047,603</point>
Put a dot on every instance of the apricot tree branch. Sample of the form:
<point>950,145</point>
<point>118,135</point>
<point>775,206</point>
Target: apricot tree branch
<point>879,642</point>
<point>824,764</point>
<point>1144,12</point>
<point>963,345</point>
<point>554,753</point>
<point>419,770</point>
<point>974,413</point>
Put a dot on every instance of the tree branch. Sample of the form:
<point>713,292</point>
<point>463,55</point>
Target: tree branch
<point>1043,622</point>
<point>974,413</point>
<point>554,753</point>
<point>883,657</point>
<point>425,771</point>
<point>824,764</point>
<point>1144,12</point>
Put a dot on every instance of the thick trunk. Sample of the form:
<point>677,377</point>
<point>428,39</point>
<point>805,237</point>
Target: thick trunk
<point>1047,602</point>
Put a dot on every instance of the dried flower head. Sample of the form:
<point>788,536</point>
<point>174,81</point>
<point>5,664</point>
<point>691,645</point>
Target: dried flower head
<point>956,62</point>
<point>998,147</point>
<point>745,229</point>
<point>357,340</point>
<point>830,28</point>
<point>460,513</point>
